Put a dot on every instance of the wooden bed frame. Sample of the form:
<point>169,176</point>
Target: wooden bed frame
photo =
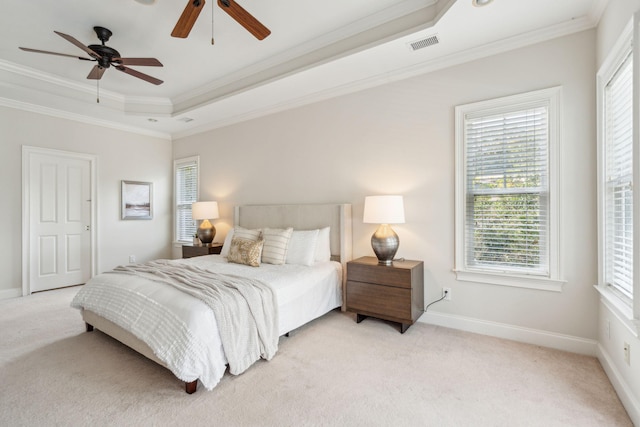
<point>300,217</point>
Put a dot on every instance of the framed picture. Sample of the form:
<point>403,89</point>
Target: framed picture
<point>137,200</point>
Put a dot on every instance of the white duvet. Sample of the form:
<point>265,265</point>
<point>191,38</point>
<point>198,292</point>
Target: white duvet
<point>182,331</point>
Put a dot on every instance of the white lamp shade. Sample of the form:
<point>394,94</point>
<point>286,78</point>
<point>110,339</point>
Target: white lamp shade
<point>383,210</point>
<point>204,210</point>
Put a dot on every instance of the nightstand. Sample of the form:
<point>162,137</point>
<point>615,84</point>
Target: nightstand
<point>391,292</point>
<point>189,251</point>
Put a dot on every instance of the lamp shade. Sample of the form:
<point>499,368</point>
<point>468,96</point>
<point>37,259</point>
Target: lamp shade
<point>204,210</point>
<point>383,210</point>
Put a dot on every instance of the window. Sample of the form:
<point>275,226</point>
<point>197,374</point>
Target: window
<point>617,177</point>
<point>506,191</point>
<point>186,172</point>
<point>618,194</point>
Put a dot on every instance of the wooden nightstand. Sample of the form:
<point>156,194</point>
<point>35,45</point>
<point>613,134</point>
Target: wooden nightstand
<point>189,251</point>
<point>394,292</point>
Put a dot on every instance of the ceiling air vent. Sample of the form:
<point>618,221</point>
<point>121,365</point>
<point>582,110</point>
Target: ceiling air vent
<point>425,42</point>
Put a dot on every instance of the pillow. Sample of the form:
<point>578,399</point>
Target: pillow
<point>244,251</point>
<point>302,247</point>
<point>276,241</point>
<point>227,243</point>
<point>244,233</point>
<point>323,245</point>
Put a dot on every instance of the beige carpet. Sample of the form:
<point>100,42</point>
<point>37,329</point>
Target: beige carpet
<point>330,372</point>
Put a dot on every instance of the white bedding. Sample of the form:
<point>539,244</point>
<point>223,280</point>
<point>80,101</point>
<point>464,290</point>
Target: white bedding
<point>182,330</point>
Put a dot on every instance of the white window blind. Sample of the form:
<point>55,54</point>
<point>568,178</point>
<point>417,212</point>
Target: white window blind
<point>618,136</point>
<point>507,191</point>
<point>186,192</point>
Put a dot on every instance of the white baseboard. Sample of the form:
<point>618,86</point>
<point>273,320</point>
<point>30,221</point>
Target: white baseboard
<point>623,390</point>
<point>10,293</point>
<point>516,333</point>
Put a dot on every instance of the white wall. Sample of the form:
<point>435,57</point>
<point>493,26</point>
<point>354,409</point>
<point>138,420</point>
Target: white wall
<point>121,155</point>
<point>612,332</point>
<point>399,138</point>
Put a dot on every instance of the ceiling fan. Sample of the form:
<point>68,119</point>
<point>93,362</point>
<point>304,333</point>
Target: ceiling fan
<point>105,57</point>
<point>233,9</point>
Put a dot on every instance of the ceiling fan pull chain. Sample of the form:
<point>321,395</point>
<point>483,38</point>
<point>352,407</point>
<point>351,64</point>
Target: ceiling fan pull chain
<point>212,41</point>
<point>97,91</point>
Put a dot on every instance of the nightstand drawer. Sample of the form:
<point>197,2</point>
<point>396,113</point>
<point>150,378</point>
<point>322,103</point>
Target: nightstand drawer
<point>381,275</point>
<point>386,302</point>
<point>190,251</point>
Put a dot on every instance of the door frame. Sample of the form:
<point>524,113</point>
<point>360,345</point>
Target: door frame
<point>27,152</point>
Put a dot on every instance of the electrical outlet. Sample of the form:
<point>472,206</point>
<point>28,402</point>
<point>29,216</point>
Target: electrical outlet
<point>132,258</point>
<point>627,353</point>
<point>446,293</point>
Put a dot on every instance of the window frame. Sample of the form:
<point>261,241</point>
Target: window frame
<point>176,164</point>
<point>627,309</point>
<point>550,98</point>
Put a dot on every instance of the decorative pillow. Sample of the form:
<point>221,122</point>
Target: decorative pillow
<point>323,245</point>
<point>302,247</point>
<point>243,251</point>
<point>276,241</point>
<point>243,233</point>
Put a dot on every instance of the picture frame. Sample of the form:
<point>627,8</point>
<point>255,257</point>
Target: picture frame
<point>137,200</point>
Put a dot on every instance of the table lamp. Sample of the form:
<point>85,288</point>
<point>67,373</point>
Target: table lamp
<point>384,210</point>
<point>205,211</point>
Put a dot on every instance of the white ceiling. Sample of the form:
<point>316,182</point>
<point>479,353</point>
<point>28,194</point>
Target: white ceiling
<point>317,49</point>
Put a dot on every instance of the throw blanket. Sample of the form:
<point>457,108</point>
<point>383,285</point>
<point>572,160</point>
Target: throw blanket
<point>245,308</point>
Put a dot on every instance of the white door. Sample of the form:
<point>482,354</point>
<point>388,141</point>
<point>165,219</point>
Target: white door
<point>59,220</point>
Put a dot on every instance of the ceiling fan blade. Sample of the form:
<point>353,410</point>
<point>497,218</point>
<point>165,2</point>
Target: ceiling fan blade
<point>188,18</point>
<point>149,62</point>
<point>77,43</point>
<point>139,75</point>
<point>26,49</point>
<point>244,18</point>
<point>96,72</point>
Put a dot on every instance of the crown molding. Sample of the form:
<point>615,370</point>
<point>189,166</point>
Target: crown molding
<point>53,112</point>
<point>21,81</point>
<point>52,79</point>
<point>408,16</point>
<point>478,52</point>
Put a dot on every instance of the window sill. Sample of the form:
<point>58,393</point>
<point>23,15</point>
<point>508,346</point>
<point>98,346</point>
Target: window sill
<point>622,310</point>
<point>518,281</point>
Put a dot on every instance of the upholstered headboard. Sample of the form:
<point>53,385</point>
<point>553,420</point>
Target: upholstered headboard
<point>303,217</point>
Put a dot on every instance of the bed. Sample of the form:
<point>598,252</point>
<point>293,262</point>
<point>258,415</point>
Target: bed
<point>174,328</point>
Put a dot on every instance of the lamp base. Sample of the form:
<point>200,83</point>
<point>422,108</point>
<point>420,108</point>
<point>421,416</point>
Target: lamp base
<point>206,232</point>
<point>385,243</point>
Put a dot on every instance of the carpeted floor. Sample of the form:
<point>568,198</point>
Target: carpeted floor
<point>330,372</point>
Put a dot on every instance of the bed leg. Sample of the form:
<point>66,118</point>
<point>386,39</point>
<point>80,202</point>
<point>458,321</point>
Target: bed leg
<point>89,327</point>
<point>191,387</point>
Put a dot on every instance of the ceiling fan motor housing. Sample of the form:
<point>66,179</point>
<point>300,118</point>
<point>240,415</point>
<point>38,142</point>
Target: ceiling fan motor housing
<point>107,54</point>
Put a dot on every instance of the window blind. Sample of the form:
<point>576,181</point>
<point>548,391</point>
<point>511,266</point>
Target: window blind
<point>507,215</point>
<point>186,187</point>
<point>618,104</point>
